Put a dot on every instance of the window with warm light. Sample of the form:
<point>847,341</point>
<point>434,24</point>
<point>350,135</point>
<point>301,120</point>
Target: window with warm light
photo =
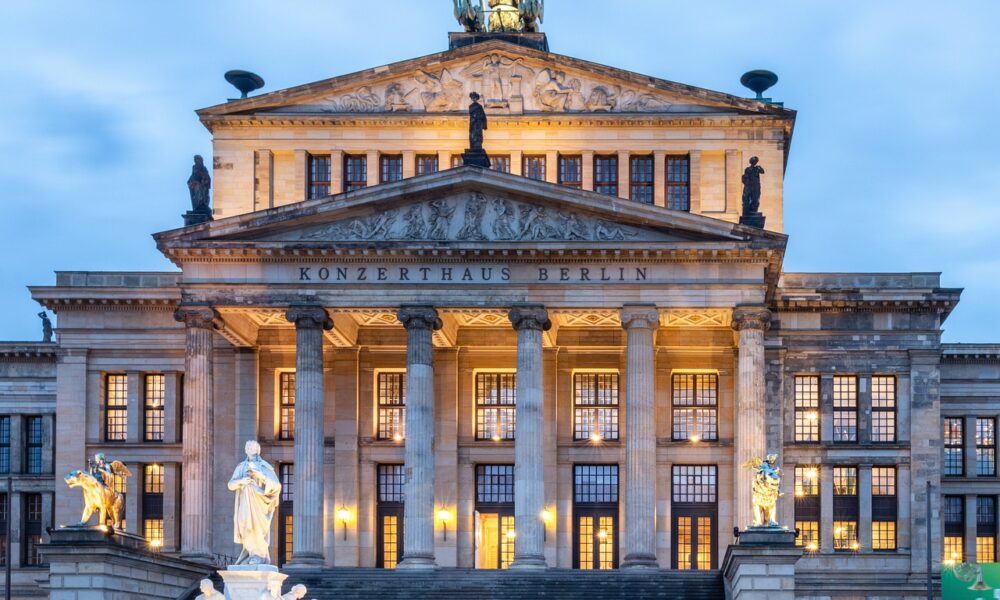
<point>606,174</point>
<point>986,447</point>
<point>808,538</point>
<point>807,506</point>
<point>33,445</point>
<point>595,516</point>
<point>845,408</point>
<point>846,509</point>
<point>389,512</point>
<point>883,408</point>
<point>319,175</point>
<point>390,167</point>
<point>153,407</point>
<point>571,171</point>
<point>695,406</point>
<point>694,493</point>
<point>286,512</point>
<point>32,534</point>
<point>115,408</point>
<point>986,528</point>
<point>355,172</point>
<point>641,179</point>
<point>595,401</point>
<point>391,398</point>
<point>496,398</point>
<point>427,164</point>
<point>953,509</point>
<point>845,536</point>
<point>495,509</point>
<point>678,185</point>
<point>954,440</point>
<point>286,405</point>
<point>533,167</point>
<point>152,504</point>
<point>807,422</point>
<point>884,508</point>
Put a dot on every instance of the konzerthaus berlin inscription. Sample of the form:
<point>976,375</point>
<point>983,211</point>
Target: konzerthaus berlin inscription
<point>561,361</point>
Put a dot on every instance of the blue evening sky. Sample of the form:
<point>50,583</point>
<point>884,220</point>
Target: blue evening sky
<point>893,165</point>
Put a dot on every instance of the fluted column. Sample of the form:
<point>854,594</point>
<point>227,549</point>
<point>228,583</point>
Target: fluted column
<point>640,323</point>
<point>307,543</point>
<point>418,511</point>
<point>751,322</point>
<point>530,320</point>
<point>198,444</point>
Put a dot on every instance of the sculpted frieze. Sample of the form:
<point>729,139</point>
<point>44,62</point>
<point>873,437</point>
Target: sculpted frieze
<point>473,217</point>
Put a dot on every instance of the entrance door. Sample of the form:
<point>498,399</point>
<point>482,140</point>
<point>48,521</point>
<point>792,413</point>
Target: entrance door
<point>389,512</point>
<point>494,516</point>
<point>595,516</point>
<point>694,511</point>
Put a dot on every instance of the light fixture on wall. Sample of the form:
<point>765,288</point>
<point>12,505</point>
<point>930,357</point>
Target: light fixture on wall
<point>398,437</point>
<point>546,519</point>
<point>444,515</point>
<point>343,515</point>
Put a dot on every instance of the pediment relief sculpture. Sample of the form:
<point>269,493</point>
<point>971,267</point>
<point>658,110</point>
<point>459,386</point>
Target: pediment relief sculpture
<point>469,218</point>
<point>506,83</point>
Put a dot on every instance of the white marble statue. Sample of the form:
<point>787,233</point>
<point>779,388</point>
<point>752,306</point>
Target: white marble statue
<point>208,591</point>
<point>258,490</point>
<point>273,591</point>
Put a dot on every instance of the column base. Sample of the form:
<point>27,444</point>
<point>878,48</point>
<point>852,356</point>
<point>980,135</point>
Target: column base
<point>640,560</point>
<point>417,562</point>
<point>305,561</point>
<point>528,563</point>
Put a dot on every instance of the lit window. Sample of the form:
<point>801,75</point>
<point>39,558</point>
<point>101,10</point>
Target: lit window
<point>494,484</point>
<point>391,390</point>
<point>807,506</point>
<point>286,405</point>
<point>845,481</point>
<point>496,411</point>
<point>152,503</point>
<point>391,167</point>
<point>806,408</point>
<point>845,535</point>
<point>33,445</point>
<point>845,409</point>
<point>954,459</point>
<point>845,506</point>
<point>695,406</point>
<point>883,408</point>
<point>953,508</point>
<point>883,535</point>
<point>953,549</point>
<point>986,528</point>
<point>641,176</point>
<point>32,529</point>
<point>115,408</point>
<point>286,509</point>
<point>571,171</point>
<point>153,408</point>
<point>533,167</point>
<point>883,481</point>
<point>595,397</point>
<point>319,175</point>
<point>808,535</point>
<point>986,549</point>
<point>500,164</point>
<point>389,508</point>
<point>427,164</point>
<point>677,184</point>
<point>884,508</point>
<point>693,496</point>
<point>606,175</point>
<point>355,172</point>
<point>986,447</point>
<point>152,530</point>
<point>806,481</point>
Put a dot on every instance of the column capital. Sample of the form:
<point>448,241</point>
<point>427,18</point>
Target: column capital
<point>308,315</point>
<point>202,316</point>
<point>751,317</point>
<point>529,316</point>
<point>640,316</point>
<point>419,317</point>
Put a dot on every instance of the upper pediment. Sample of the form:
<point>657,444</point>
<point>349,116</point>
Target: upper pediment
<point>510,79</point>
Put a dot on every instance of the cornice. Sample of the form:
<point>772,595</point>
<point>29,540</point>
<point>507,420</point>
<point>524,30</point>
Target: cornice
<point>27,351</point>
<point>939,305</point>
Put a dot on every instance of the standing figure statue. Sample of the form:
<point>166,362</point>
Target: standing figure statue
<point>199,184</point>
<point>468,16</point>
<point>766,482</point>
<point>477,123</point>
<point>751,187</point>
<point>258,490</point>
<point>99,494</point>
<point>46,327</point>
<point>532,13</point>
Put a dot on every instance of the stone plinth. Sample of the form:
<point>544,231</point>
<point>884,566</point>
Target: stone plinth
<point>753,220</point>
<point>761,565</point>
<point>86,562</point>
<point>476,158</point>
<point>196,218</point>
<point>248,582</point>
<point>528,39</point>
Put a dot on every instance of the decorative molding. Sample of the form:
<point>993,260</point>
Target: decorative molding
<point>702,317</point>
<point>482,318</point>
<point>589,318</point>
<point>376,318</point>
<point>751,317</point>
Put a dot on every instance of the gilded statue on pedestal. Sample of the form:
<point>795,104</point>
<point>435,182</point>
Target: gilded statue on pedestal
<point>766,482</point>
<point>99,495</point>
<point>258,491</point>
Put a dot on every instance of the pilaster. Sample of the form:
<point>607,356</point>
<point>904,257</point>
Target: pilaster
<point>694,180</point>
<point>659,178</point>
<point>70,452</point>
<point>587,170</point>
<point>624,170</point>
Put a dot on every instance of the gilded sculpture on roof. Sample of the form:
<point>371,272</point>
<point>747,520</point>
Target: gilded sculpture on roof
<point>507,16</point>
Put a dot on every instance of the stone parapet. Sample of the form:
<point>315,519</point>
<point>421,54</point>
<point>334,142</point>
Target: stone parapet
<point>761,566</point>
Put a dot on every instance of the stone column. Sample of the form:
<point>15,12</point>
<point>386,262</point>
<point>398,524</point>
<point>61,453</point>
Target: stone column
<point>307,543</point>
<point>198,443</point>
<point>530,320</point>
<point>418,511</point>
<point>640,323</point>
<point>751,440</point>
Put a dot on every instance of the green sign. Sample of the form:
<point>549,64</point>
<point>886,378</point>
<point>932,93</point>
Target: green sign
<point>971,582</point>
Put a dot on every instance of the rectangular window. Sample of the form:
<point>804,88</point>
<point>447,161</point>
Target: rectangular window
<point>845,536</point>
<point>571,171</point>
<point>595,484</point>
<point>695,406</point>
<point>678,186</point>
<point>953,509</point>
<point>845,408</point>
<point>5,444</point>
<point>807,507</point>
<point>641,179</point>
<point>954,439</point>
<point>807,409</point>
<point>355,172</point>
<point>495,510</point>
<point>595,516</point>
<point>33,445</point>
<point>115,408</point>
<point>286,405</point>
<point>883,408</point>
<point>427,164</point>
<point>953,549</point>
<point>496,395</point>
<point>4,515</point>
<point>694,491</point>
<point>845,508</point>
<point>495,484</point>
<point>986,551</point>
<point>884,508</point>
<point>500,164</point>
<point>694,483</point>
<point>986,528</point>
<point>606,175</point>
<point>32,529</point>
<point>391,167</point>
<point>533,167</point>
<point>391,390</point>
<point>286,509</point>
<point>595,399</point>
<point>152,504</point>
<point>153,407</point>
<point>319,175</point>
<point>986,447</point>
<point>389,509</point>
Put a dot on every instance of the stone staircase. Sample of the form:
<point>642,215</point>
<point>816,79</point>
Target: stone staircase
<point>471,584</point>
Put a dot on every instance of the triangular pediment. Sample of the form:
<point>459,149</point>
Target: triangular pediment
<point>468,207</point>
<point>511,80</point>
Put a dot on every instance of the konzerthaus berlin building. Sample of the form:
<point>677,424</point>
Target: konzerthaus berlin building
<point>563,360</point>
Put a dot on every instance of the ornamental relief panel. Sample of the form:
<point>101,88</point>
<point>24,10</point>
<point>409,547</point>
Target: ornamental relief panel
<point>473,217</point>
<point>507,86</point>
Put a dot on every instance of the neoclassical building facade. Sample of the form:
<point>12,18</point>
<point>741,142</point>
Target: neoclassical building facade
<point>562,361</point>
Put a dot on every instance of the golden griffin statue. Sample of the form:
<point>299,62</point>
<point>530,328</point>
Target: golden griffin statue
<point>99,494</point>
<point>767,479</point>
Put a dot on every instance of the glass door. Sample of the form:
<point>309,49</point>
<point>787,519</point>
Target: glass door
<point>595,516</point>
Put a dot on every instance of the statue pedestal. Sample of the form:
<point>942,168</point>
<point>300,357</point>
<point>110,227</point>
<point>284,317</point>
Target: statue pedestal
<point>753,220</point>
<point>761,565</point>
<point>476,158</point>
<point>248,582</point>
<point>194,218</point>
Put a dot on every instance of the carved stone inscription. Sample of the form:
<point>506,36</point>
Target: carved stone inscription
<point>475,217</point>
<point>471,273</point>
